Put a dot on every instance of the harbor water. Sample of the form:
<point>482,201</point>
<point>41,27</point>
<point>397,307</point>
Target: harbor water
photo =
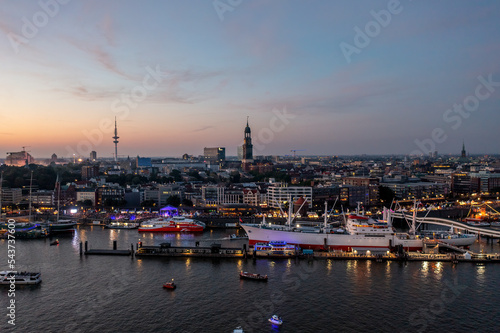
<point>125,294</point>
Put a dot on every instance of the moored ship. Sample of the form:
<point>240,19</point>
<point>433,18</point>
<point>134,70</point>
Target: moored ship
<point>361,233</point>
<point>172,224</point>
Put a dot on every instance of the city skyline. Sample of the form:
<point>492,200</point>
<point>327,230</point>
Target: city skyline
<point>322,78</point>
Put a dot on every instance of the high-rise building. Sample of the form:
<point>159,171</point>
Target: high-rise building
<point>247,146</point>
<point>21,158</point>
<point>93,156</point>
<point>217,154</point>
<point>115,141</point>
<point>90,171</point>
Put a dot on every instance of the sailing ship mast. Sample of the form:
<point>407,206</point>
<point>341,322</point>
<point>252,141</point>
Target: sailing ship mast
<point>1,193</point>
<point>58,186</point>
<point>31,186</point>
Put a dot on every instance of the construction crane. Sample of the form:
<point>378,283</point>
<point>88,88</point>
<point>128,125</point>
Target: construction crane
<point>296,150</point>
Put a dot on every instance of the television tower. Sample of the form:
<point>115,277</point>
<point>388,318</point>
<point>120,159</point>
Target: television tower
<point>115,141</point>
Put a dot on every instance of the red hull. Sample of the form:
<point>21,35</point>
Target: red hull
<point>173,229</point>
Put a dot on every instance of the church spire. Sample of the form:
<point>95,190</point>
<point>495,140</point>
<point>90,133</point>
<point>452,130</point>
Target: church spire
<point>247,145</point>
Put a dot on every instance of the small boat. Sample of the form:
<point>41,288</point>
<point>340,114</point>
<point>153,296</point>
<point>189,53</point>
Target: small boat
<point>56,242</point>
<point>169,285</point>
<point>238,330</point>
<point>275,320</point>
<point>234,236</point>
<point>9,277</point>
<point>251,276</point>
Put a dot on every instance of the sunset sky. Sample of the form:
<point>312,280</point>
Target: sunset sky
<point>181,75</point>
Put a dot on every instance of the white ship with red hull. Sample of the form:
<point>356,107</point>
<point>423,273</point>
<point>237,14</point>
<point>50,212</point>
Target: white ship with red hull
<point>172,224</point>
<point>361,234</point>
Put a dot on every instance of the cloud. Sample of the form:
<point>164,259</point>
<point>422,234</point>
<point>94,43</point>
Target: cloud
<point>106,28</point>
<point>201,129</point>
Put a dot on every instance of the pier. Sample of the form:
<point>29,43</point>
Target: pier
<point>113,252</point>
<point>213,251</point>
<point>216,251</point>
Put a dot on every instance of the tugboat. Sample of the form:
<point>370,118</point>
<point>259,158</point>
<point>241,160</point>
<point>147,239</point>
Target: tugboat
<point>251,276</point>
<point>169,285</point>
<point>275,320</point>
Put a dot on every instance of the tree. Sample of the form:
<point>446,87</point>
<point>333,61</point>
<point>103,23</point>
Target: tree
<point>148,203</point>
<point>187,202</point>
<point>386,195</point>
<point>176,175</point>
<point>174,200</point>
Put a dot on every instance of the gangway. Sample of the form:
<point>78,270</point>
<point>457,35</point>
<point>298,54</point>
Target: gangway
<point>452,224</point>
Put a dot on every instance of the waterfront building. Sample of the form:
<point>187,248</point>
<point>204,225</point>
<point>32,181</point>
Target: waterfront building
<point>460,183</point>
<point>114,194</point>
<point>11,196</point>
<point>482,181</point>
<point>278,194</point>
<point>360,181</point>
<point>86,194</point>
<point>419,190</point>
<point>42,198</point>
<point>161,194</point>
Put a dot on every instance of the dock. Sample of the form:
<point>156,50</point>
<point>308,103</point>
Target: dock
<point>113,252</point>
<point>213,251</point>
<point>109,252</point>
<point>216,251</point>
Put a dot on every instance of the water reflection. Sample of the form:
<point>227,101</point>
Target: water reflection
<point>329,265</point>
<point>480,273</point>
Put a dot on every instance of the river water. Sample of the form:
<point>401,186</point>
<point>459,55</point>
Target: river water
<point>125,294</point>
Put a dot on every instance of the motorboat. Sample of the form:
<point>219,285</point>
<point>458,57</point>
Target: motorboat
<point>169,285</point>
<point>252,276</point>
<point>275,320</point>
<point>9,277</point>
<point>56,242</point>
<point>238,330</point>
<point>234,236</point>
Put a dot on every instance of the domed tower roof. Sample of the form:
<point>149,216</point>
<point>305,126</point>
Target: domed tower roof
<point>247,129</point>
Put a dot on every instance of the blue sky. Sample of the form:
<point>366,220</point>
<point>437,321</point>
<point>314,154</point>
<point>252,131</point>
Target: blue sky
<point>65,79</point>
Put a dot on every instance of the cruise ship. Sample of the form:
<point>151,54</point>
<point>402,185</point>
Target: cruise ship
<point>361,233</point>
<point>172,224</point>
